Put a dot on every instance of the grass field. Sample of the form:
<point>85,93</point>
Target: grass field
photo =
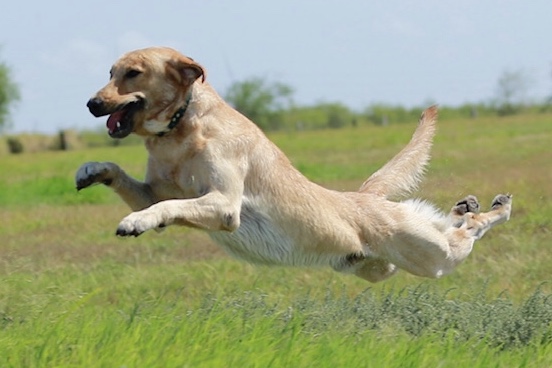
<point>74,295</point>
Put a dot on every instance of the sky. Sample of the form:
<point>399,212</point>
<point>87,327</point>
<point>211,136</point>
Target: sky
<point>357,52</point>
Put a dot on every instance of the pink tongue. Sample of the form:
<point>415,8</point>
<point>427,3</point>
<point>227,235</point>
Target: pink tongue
<point>114,119</point>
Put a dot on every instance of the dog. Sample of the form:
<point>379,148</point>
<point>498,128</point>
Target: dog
<point>211,168</point>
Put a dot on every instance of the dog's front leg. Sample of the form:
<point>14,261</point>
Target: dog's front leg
<point>214,211</point>
<point>136,194</point>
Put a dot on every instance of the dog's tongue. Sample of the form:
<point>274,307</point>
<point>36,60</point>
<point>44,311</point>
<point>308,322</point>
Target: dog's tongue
<point>113,120</point>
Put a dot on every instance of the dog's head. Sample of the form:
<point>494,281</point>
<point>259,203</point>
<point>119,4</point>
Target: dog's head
<point>146,89</point>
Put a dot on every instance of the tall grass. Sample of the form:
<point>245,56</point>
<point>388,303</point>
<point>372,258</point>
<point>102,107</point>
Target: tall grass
<point>143,316</point>
<point>72,294</point>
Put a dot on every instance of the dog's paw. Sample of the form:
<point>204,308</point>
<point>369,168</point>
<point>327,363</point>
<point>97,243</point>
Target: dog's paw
<point>138,222</point>
<point>468,204</point>
<point>94,173</point>
<point>501,200</point>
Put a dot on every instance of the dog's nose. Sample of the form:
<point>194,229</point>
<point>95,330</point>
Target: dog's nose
<point>96,106</point>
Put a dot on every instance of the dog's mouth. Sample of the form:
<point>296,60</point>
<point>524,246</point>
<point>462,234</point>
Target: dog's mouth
<point>121,123</point>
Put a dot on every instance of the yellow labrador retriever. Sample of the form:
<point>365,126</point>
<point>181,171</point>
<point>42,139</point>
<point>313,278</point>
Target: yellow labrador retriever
<point>211,168</point>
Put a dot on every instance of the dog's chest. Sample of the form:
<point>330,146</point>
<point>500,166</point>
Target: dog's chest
<point>260,240</point>
<point>172,174</point>
<point>177,181</point>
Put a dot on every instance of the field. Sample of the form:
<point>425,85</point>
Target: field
<point>74,295</point>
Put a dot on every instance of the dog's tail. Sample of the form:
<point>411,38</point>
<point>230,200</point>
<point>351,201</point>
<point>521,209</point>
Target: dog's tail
<point>402,174</point>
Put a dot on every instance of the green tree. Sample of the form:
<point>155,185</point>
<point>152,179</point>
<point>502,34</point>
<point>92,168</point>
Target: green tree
<point>9,94</point>
<point>338,115</point>
<point>383,114</point>
<point>261,101</point>
<point>511,91</point>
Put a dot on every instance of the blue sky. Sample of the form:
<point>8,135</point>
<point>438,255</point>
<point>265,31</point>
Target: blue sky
<point>357,52</point>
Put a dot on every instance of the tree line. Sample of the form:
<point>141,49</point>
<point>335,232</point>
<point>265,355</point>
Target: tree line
<point>271,106</point>
<point>9,94</point>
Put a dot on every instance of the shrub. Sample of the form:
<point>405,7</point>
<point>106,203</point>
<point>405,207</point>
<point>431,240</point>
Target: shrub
<point>417,311</point>
<point>14,145</point>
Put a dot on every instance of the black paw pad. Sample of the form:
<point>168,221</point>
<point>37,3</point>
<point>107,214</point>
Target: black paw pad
<point>500,200</point>
<point>468,204</point>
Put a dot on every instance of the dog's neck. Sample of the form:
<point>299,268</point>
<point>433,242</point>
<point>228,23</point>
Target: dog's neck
<point>177,116</point>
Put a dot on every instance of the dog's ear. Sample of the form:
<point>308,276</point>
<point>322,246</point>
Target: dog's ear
<point>185,70</point>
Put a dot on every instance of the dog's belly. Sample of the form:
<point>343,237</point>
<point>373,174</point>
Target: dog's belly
<point>259,240</point>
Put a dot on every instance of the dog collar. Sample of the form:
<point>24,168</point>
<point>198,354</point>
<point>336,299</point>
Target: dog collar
<point>175,119</point>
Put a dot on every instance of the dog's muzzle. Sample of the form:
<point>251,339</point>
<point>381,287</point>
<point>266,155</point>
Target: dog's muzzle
<point>121,118</point>
<point>97,107</point>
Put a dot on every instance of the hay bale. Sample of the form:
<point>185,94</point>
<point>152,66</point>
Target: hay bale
<point>31,143</point>
<point>14,145</point>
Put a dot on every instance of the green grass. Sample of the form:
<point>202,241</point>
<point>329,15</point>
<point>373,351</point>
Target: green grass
<point>156,318</point>
<point>74,295</point>
<point>133,315</point>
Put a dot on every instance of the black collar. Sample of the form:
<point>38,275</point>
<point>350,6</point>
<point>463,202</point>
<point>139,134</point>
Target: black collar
<point>176,117</point>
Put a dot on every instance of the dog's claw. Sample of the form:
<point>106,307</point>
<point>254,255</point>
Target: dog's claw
<point>122,232</point>
<point>468,204</point>
<point>139,222</point>
<point>92,173</point>
<point>501,200</point>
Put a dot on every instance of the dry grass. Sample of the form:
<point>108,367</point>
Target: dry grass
<point>45,237</point>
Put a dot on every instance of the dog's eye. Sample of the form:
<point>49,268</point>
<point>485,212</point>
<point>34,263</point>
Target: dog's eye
<point>132,73</point>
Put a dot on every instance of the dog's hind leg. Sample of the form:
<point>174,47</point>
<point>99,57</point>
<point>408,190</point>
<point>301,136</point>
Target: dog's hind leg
<point>465,205</point>
<point>477,224</point>
<point>366,267</point>
<point>426,246</point>
<point>474,225</point>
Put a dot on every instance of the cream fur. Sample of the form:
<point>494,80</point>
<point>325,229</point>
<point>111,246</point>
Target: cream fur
<point>218,172</point>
